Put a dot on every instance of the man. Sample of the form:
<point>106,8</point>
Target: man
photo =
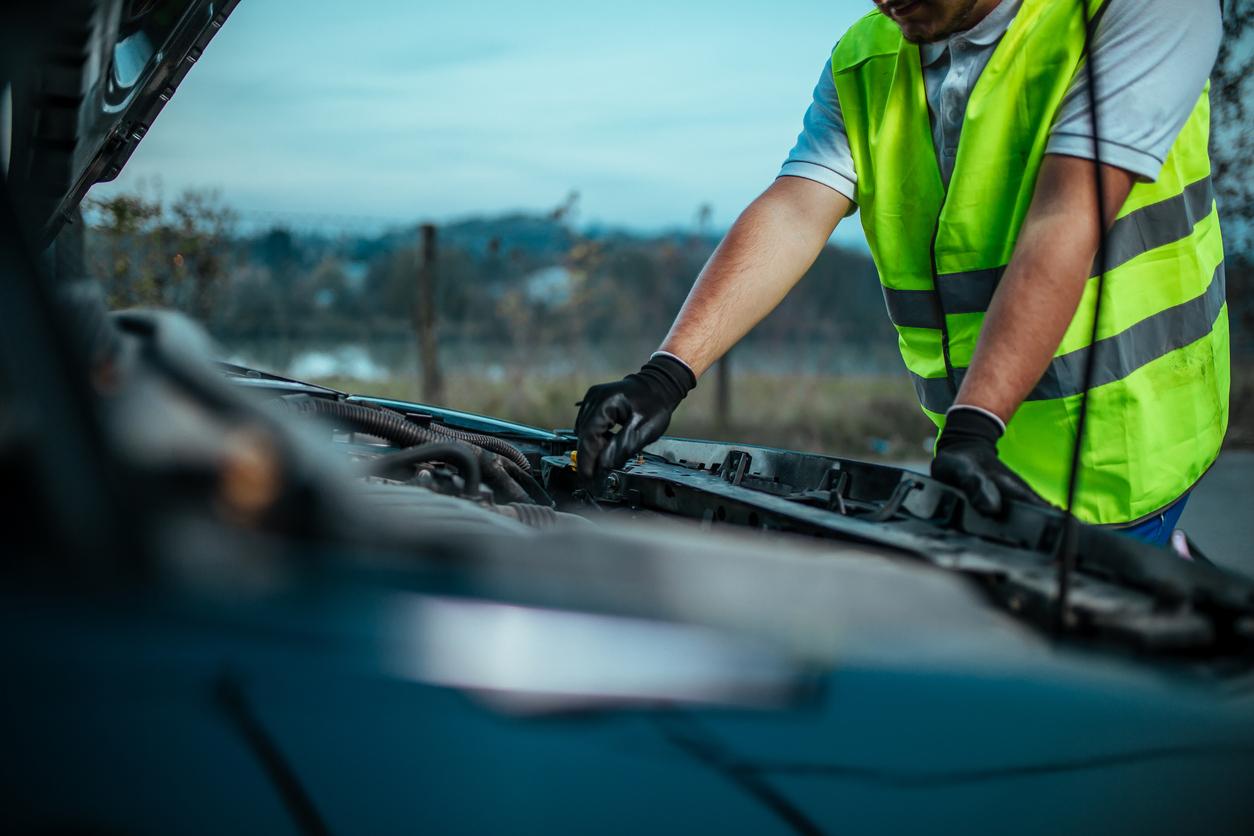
<point>986,247</point>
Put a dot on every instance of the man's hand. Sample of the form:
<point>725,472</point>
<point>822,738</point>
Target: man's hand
<point>966,457</point>
<point>640,405</point>
<point>766,252</point>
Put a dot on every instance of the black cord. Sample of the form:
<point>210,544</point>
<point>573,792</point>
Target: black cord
<point>497,445</point>
<point>1070,532</point>
<point>456,453</point>
<point>684,733</point>
<point>230,697</point>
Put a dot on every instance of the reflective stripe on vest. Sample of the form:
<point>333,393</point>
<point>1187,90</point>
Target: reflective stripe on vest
<point>1117,356</point>
<point>1158,407</point>
<point>1139,232</point>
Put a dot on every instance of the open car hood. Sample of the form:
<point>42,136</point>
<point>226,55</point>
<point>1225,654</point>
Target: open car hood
<point>90,95</point>
<point>1121,591</point>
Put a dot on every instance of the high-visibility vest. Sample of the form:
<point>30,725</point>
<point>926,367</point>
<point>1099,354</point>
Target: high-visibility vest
<point>1158,406</point>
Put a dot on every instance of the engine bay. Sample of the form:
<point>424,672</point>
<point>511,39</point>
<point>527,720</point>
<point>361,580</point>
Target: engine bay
<point>437,459</point>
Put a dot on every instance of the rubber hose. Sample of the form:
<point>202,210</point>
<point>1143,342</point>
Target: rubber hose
<point>496,445</point>
<point>383,423</point>
<point>528,482</point>
<point>536,516</point>
<point>461,456</point>
<point>504,487</point>
<point>400,430</point>
<point>494,469</point>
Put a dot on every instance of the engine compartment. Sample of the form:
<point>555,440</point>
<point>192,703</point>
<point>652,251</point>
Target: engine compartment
<point>286,462</point>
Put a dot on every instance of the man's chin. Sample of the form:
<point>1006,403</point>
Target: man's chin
<point>919,31</point>
<point>920,36</point>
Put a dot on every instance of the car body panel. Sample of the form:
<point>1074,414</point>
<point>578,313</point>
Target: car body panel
<point>212,621</point>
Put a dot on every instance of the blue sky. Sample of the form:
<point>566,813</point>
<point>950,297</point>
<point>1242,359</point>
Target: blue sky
<point>402,110</point>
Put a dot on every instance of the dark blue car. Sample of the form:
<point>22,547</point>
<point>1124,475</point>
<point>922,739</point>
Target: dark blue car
<point>237,603</point>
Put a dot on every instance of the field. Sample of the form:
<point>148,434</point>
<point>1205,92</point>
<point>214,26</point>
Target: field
<point>858,416</point>
<point>854,416</point>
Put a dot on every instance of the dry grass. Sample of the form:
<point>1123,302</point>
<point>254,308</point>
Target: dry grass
<point>860,417</point>
<point>853,416</point>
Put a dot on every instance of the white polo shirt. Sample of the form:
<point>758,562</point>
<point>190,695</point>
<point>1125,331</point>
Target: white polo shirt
<point>1151,57</point>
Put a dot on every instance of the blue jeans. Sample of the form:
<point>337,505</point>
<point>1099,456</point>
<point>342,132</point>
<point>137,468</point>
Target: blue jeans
<point>1157,529</point>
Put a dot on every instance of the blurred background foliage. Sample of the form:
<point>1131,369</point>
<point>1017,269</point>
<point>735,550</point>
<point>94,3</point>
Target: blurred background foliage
<point>530,311</point>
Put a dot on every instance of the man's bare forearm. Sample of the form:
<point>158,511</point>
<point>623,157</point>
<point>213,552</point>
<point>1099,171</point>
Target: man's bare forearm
<point>1043,283</point>
<point>766,252</point>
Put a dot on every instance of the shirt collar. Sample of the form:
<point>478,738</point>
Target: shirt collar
<point>985,33</point>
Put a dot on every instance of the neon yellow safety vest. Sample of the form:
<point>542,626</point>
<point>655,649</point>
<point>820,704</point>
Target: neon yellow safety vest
<point>1158,409</point>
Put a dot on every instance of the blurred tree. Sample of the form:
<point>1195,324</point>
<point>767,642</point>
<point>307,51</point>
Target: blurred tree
<point>1232,162</point>
<point>566,211</point>
<point>252,306</point>
<point>1232,157</point>
<point>1232,141</point>
<point>326,288</point>
<point>525,288</point>
<point>390,282</point>
<point>198,230</point>
<point>279,253</point>
<point>114,251</point>
<point>149,254</point>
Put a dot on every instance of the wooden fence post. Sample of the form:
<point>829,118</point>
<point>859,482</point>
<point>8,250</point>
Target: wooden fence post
<point>425,318</point>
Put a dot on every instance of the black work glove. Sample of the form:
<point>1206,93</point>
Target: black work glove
<point>966,457</point>
<point>641,404</point>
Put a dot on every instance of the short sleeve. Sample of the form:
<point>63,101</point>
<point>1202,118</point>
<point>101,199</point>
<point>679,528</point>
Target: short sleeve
<point>1151,59</point>
<point>822,150</point>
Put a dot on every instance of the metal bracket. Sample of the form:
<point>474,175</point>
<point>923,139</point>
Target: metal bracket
<point>893,505</point>
<point>836,482</point>
<point>735,466</point>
